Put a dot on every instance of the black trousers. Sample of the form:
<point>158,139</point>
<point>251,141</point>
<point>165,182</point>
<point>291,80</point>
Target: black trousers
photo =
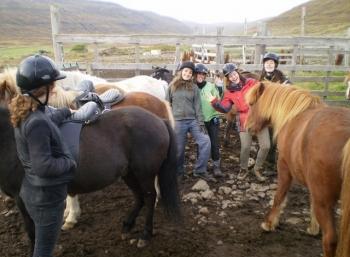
<point>213,127</point>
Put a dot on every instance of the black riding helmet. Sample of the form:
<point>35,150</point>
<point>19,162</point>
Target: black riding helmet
<point>187,64</point>
<point>201,68</point>
<point>228,68</point>
<point>272,56</point>
<point>36,71</point>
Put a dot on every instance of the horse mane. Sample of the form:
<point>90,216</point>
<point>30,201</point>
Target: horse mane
<point>279,103</point>
<point>8,83</point>
<point>62,98</point>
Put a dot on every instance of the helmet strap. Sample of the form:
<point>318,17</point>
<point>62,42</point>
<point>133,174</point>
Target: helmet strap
<point>46,98</point>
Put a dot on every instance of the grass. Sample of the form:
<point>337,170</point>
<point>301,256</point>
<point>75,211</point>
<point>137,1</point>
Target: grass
<point>10,55</point>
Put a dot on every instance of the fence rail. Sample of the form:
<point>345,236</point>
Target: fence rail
<point>298,49</point>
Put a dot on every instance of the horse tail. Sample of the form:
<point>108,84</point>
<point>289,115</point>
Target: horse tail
<point>343,249</point>
<point>167,177</point>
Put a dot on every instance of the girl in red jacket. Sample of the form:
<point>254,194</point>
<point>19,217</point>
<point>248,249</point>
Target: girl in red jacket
<point>237,87</point>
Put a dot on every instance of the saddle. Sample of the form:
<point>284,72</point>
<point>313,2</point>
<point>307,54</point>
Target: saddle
<point>104,101</point>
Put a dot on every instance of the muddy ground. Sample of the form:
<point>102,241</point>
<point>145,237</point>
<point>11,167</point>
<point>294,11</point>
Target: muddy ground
<point>228,227</point>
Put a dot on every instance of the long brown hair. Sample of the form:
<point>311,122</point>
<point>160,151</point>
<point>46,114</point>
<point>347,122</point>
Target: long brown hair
<point>22,105</point>
<point>179,83</point>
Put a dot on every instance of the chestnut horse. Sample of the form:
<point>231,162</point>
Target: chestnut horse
<point>312,139</point>
<point>343,249</point>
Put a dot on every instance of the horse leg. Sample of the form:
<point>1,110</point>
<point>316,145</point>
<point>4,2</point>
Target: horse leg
<point>314,227</point>
<point>129,223</point>
<point>324,208</point>
<point>72,212</point>
<point>150,194</point>
<point>284,180</point>
<point>28,223</point>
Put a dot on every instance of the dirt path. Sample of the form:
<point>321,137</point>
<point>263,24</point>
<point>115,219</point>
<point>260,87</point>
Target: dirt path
<point>229,226</point>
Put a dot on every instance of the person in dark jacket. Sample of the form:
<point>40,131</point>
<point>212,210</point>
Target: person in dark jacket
<point>272,74</point>
<point>47,162</point>
<point>184,98</point>
<point>270,71</point>
<point>237,86</point>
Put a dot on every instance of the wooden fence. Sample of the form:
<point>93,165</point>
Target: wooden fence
<point>302,54</point>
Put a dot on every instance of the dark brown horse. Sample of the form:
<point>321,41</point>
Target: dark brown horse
<point>130,143</point>
<point>312,140</point>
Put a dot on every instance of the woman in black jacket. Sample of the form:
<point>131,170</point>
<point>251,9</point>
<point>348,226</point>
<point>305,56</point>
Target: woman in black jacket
<point>47,162</point>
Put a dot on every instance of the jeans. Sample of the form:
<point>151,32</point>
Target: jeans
<point>182,127</point>
<point>47,215</point>
<point>213,127</point>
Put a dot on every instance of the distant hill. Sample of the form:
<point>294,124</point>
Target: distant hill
<point>323,17</point>
<point>30,20</point>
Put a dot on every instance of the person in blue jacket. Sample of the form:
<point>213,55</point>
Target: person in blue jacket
<point>46,160</point>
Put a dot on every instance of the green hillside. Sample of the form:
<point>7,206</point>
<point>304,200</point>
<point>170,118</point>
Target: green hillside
<point>323,17</point>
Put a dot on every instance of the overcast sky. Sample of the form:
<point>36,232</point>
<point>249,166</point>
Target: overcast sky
<point>213,11</point>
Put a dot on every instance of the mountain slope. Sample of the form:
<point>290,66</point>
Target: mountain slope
<point>323,17</point>
<point>28,19</point>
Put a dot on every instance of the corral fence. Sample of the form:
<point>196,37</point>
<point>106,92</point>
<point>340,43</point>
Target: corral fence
<point>300,56</point>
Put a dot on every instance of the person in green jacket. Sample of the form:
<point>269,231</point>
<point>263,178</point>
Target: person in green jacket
<point>211,116</point>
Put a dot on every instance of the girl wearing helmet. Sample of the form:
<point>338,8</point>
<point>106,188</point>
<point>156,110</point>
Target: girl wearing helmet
<point>270,71</point>
<point>237,86</point>
<point>211,116</point>
<point>47,162</point>
<point>184,98</point>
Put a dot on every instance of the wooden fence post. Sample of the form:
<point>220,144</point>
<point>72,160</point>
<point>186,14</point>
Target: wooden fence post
<point>219,47</point>
<point>177,57</point>
<point>55,29</point>
<point>347,48</point>
<point>137,57</point>
<point>260,49</point>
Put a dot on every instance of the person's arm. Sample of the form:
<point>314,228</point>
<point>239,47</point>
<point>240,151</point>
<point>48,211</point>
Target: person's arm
<point>197,105</point>
<point>44,164</point>
<point>225,105</point>
<point>58,115</point>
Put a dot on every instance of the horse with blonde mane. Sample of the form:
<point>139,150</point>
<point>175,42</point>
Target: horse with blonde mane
<point>313,145</point>
<point>343,249</point>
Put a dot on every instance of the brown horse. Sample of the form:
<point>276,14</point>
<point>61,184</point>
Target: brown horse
<point>61,97</point>
<point>343,249</point>
<point>161,108</point>
<point>311,138</point>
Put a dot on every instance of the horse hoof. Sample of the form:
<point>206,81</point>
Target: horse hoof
<point>266,226</point>
<point>313,231</point>
<point>68,226</point>
<point>142,243</point>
